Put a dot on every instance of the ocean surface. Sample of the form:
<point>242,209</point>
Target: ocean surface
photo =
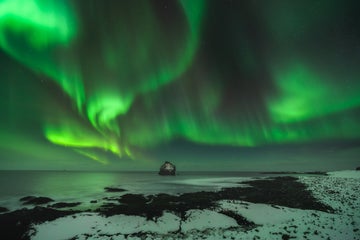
<point>76,186</point>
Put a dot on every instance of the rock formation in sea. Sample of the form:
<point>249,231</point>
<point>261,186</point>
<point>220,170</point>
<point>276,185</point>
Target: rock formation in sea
<point>167,169</point>
<point>358,168</point>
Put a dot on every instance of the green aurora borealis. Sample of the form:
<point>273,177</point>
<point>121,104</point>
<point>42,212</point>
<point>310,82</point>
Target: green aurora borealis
<point>131,83</point>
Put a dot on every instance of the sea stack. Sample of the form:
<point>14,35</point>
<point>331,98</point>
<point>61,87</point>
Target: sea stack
<point>167,169</point>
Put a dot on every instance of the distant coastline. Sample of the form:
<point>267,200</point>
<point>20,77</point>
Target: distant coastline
<point>290,172</point>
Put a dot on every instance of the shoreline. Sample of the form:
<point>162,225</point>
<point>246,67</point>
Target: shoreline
<point>174,215</point>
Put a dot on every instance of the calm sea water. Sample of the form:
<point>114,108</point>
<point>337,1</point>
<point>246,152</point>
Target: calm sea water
<point>86,186</point>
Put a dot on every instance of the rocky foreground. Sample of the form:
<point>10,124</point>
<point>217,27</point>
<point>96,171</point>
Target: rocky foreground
<point>301,207</point>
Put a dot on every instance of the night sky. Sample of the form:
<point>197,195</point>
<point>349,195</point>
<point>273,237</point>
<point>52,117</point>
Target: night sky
<point>207,84</point>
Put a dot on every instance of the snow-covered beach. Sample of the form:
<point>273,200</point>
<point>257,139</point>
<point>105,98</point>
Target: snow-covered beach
<point>232,213</point>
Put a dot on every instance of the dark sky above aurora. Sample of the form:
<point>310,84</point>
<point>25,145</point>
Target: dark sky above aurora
<point>207,84</point>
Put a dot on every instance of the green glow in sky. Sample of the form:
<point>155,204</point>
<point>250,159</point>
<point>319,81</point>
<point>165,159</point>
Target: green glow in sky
<point>306,93</point>
<point>36,28</point>
<point>41,22</point>
<point>110,93</point>
<point>126,77</point>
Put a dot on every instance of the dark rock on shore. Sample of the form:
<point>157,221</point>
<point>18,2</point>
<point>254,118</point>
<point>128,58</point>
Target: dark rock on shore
<point>358,169</point>
<point>167,169</point>
<point>35,200</point>
<point>283,191</point>
<point>3,209</point>
<point>131,204</point>
<point>27,198</point>
<point>239,219</point>
<point>15,225</point>
<point>64,205</point>
<point>114,189</point>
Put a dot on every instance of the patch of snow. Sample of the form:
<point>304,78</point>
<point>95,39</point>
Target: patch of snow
<point>97,225</point>
<point>275,221</point>
<point>259,213</point>
<point>341,193</point>
<point>205,219</point>
<point>67,227</point>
